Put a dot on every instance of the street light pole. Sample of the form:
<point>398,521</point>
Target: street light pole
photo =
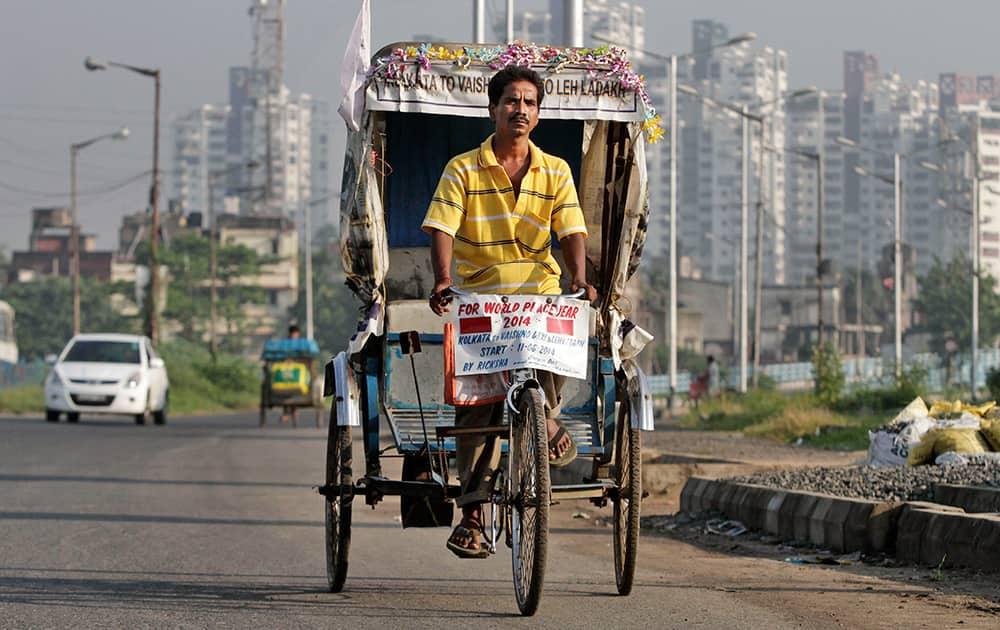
<point>974,355</point>
<point>744,213</point>
<point>672,139</point>
<point>672,327</point>
<point>897,259</point>
<point>212,266</point>
<point>154,267</point>
<point>820,174</point>
<point>74,150</point>
<point>90,63</point>
<point>74,240</point>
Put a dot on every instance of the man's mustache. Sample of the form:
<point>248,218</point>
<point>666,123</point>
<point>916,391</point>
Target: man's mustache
<point>518,117</point>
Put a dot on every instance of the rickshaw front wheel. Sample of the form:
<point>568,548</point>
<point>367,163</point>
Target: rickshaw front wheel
<point>529,487</point>
<point>627,503</point>
<point>337,504</point>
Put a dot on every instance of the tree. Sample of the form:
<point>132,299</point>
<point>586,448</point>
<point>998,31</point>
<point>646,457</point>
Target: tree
<point>336,310</point>
<point>44,312</point>
<point>945,304</point>
<point>188,259</point>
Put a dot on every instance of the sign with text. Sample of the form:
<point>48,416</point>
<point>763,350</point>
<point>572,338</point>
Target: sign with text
<point>496,333</point>
<point>573,93</point>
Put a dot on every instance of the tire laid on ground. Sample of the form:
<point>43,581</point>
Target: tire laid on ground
<point>73,416</point>
<point>160,417</point>
<point>528,461</point>
<point>628,503</point>
<point>51,415</point>
<point>338,507</point>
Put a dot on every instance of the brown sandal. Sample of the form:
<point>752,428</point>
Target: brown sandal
<point>467,529</point>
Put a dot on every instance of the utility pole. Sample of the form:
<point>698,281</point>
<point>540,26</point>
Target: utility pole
<point>744,212</point>
<point>154,266</point>
<point>859,296</point>
<point>212,267</point>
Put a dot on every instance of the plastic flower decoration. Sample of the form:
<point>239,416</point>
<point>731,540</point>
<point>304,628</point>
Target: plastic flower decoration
<point>606,61</point>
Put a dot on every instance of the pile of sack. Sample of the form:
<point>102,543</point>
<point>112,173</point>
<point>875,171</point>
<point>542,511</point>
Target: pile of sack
<point>946,433</point>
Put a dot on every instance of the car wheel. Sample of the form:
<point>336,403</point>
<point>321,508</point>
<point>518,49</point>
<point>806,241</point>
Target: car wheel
<point>160,417</point>
<point>51,415</point>
<point>73,416</point>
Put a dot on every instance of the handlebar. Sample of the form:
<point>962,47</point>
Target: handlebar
<point>460,292</point>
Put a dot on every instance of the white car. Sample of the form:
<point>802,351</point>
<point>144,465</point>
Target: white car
<point>108,374</point>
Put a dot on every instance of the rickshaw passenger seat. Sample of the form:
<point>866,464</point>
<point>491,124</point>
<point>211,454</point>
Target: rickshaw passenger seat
<point>404,315</point>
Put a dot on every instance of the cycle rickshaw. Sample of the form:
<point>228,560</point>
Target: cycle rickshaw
<point>424,104</point>
<point>290,379</point>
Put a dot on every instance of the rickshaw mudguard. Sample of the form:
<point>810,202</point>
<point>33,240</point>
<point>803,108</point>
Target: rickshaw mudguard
<point>608,392</point>
<point>370,405</point>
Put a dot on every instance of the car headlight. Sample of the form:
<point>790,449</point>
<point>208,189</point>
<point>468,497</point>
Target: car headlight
<point>54,379</point>
<point>134,380</point>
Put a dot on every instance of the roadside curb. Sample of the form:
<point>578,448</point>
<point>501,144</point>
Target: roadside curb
<point>919,532</point>
<point>969,498</point>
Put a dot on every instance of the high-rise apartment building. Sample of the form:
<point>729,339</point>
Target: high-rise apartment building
<point>886,114</point>
<point>200,148</point>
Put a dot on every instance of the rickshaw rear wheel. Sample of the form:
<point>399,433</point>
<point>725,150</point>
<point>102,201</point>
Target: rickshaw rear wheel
<point>627,504</point>
<point>529,485</point>
<point>337,506</point>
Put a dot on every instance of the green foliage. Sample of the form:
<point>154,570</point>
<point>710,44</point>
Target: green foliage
<point>912,382</point>
<point>22,399</point>
<point>945,304</point>
<point>188,293</point>
<point>44,318</point>
<point>197,384</point>
<point>829,373</point>
<point>336,310</point>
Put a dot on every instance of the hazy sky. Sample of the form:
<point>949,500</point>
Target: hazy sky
<point>49,101</point>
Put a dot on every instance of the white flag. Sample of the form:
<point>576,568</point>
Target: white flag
<point>355,67</point>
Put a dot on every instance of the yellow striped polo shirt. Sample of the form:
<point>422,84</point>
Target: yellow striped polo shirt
<point>502,243</point>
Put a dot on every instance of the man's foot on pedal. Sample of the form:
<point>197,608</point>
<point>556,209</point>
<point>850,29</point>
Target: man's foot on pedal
<point>466,539</point>
<point>562,449</point>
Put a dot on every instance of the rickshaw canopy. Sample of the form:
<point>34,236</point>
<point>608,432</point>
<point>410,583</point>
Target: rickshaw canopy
<point>420,102</point>
<point>281,349</point>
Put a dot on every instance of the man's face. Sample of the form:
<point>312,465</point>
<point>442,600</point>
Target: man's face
<point>517,112</point>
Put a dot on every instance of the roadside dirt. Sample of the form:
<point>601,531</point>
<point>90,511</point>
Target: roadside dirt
<point>856,591</point>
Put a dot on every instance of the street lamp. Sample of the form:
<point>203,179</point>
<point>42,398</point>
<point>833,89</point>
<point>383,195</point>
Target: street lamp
<point>976,255</point>
<point>816,157</point>
<point>74,149</point>
<point>897,219</point>
<point>743,111</point>
<point>92,64</point>
<point>672,89</point>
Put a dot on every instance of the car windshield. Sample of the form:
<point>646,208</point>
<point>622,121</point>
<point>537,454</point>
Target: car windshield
<point>90,351</point>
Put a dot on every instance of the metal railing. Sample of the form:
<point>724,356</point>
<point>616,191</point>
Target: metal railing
<point>869,372</point>
<point>22,373</point>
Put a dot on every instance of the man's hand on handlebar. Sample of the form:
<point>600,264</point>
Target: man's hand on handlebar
<point>441,297</point>
<point>590,293</point>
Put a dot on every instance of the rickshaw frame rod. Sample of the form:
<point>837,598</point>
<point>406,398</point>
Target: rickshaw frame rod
<point>500,430</point>
<point>395,487</point>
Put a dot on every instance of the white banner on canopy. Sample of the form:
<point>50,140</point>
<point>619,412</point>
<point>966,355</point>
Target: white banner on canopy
<point>572,94</point>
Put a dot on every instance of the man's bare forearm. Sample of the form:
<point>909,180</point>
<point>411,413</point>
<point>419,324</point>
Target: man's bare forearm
<point>575,256</point>
<point>441,245</point>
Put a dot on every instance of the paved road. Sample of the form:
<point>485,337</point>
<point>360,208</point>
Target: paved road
<point>211,521</point>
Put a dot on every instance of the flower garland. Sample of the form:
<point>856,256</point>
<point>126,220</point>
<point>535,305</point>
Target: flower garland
<point>606,61</point>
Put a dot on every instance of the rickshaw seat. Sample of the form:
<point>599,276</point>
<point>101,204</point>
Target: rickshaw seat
<point>405,315</point>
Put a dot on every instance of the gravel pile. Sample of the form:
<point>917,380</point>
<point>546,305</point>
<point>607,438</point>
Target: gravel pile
<point>896,483</point>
